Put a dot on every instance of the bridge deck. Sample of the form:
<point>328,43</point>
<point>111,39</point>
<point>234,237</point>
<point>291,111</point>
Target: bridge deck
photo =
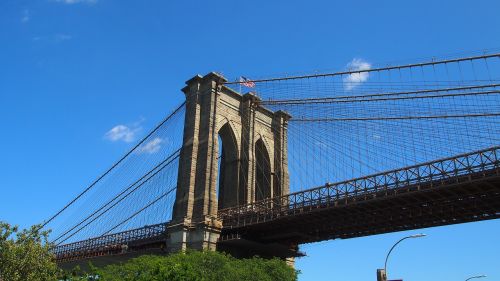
<point>458,189</point>
<point>446,191</point>
<point>113,244</point>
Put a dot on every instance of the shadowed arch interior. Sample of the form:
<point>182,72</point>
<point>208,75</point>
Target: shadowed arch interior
<point>262,171</point>
<point>228,189</point>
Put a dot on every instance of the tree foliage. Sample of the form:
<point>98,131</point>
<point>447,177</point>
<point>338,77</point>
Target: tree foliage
<point>25,255</point>
<point>193,265</point>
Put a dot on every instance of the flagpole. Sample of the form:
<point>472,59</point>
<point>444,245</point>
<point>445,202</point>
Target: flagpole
<point>240,85</point>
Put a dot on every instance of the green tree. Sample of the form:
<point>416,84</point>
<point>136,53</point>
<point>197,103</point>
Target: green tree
<point>196,266</point>
<point>25,255</point>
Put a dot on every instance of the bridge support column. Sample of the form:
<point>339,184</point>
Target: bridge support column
<point>247,108</point>
<point>201,235</point>
<point>234,152</point>
<point>194,224</point>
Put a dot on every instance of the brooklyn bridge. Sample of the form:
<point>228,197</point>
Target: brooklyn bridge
<point>261,166</point>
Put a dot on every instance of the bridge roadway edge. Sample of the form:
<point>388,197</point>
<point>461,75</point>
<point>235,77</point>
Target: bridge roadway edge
<point>471,199</point>
<point>474,200</point>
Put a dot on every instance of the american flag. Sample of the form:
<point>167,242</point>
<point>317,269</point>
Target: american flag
<point>247,82</point>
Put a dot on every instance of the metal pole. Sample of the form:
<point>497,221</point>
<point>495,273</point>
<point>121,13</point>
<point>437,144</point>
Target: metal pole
<point>478,276</point>
<point>394,246</point>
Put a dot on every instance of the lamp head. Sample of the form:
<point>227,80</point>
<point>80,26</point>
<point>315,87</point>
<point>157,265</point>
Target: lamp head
<point>417,235</point>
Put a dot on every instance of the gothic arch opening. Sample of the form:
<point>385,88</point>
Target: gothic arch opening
<point>227,178</point>
<point>262,171</point>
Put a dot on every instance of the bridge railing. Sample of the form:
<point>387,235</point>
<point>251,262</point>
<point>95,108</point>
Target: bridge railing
<point>430,174</point>
<point>115,240</point>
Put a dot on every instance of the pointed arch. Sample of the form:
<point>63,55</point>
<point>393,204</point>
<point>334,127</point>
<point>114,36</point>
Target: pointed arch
<point>263,180</point>
<point>228,168</point>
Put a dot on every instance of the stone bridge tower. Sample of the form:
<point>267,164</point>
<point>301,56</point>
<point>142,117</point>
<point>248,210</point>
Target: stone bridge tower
<point>234,152</point>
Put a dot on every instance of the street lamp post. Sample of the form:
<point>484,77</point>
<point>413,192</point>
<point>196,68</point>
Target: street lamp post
<point>394,246</point>
<point>383,274</point>
<point>473,277</point>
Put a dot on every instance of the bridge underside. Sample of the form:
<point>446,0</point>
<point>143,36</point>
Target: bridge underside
<point>103,258</point>
<point>472,197</point>
<point>277,232</point>
<point>113,253</point>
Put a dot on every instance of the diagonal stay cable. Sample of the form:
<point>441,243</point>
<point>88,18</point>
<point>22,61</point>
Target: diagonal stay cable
<point>378,97</point>
<point>139,211</point>
<point>428,63</point>
<point>112,167</point>
<point>330,101</point>
<point>396,117</point>
<point>168,159</point>
<point>129,218</point>
<point>117,202</point>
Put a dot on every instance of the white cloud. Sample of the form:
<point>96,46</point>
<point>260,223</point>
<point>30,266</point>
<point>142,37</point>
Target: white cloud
<point>151,146</point>
<point>76,1</point>
<point>26,16</point>
<point>355,79</point>
<point>122,133</point>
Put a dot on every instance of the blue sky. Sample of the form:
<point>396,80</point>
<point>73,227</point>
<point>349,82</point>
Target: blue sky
<point>71,70</point>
